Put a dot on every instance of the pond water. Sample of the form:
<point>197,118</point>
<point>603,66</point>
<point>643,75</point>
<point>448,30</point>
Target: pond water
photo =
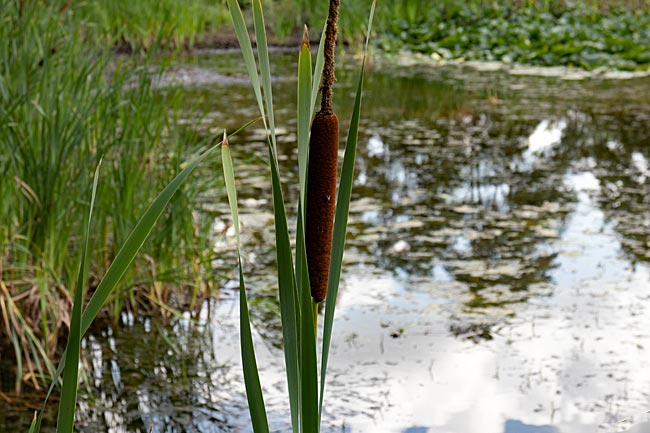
<point>496,279</point>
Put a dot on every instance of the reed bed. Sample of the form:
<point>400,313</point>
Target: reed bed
<point>66,102</point>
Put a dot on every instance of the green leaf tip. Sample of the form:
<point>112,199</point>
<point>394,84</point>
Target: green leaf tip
<point>33,425</point>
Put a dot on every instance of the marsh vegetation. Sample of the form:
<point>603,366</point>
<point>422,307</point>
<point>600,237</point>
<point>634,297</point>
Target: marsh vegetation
<point>492,215</point>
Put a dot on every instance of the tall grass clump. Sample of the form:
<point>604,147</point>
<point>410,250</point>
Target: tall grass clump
<point>64,103</point>
<point>299,309</point>
<point>136,24</point>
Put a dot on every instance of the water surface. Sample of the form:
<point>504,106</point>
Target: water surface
<point>496,276</point>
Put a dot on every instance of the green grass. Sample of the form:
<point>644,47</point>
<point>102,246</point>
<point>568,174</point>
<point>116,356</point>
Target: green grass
<point>137,24</point>
<point>64,104</point>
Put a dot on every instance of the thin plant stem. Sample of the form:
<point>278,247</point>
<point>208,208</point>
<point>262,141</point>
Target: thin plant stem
<point>328,69</point>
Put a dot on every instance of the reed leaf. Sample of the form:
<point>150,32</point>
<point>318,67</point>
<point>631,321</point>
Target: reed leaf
<point>289,301</point>
<point>251,375</point>
<point>318,69</point>
<point>308,359</point>
<point>341,218</point>
<point>265,65</point>
<point>68,402</point>
<point>304,115</point>
<point>138,236</point>
<point>247,52</point>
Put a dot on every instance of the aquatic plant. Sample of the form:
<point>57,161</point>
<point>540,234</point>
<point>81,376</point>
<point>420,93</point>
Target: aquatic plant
<point>537,34</point>
<point>321,170</point>
<point>298,309</point>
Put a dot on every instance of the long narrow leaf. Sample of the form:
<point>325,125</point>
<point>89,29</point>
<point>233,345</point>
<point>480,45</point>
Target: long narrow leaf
<point>265,65</point>
<point>289,302</point>
<point>247,51</point>
<point>318,69</point>
<point>136,239</point>
<point>68,402</point>
<point>304,115</point>
<point>251,375</point>
<point>308,359</point>
<point>341,218</point>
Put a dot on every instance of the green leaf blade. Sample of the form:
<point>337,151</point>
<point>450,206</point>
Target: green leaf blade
<point>307,335</point>
<point>308,359</point>
<point>68,402</point>
<point>318,69</point>
<point>304,115</point>
<point>247,52</point>
<point>140,233</point>
<point>289,301</point>
<point>265,65</point>
<point>251,375</point>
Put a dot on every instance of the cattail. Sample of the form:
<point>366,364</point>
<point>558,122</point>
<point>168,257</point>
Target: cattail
<point>321,177</point>
<point>321,200</point>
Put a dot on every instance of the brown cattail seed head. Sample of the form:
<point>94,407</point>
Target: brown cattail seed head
<point>321,200</point>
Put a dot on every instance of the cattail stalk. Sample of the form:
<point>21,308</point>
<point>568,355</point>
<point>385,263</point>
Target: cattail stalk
<point>321,177</point>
